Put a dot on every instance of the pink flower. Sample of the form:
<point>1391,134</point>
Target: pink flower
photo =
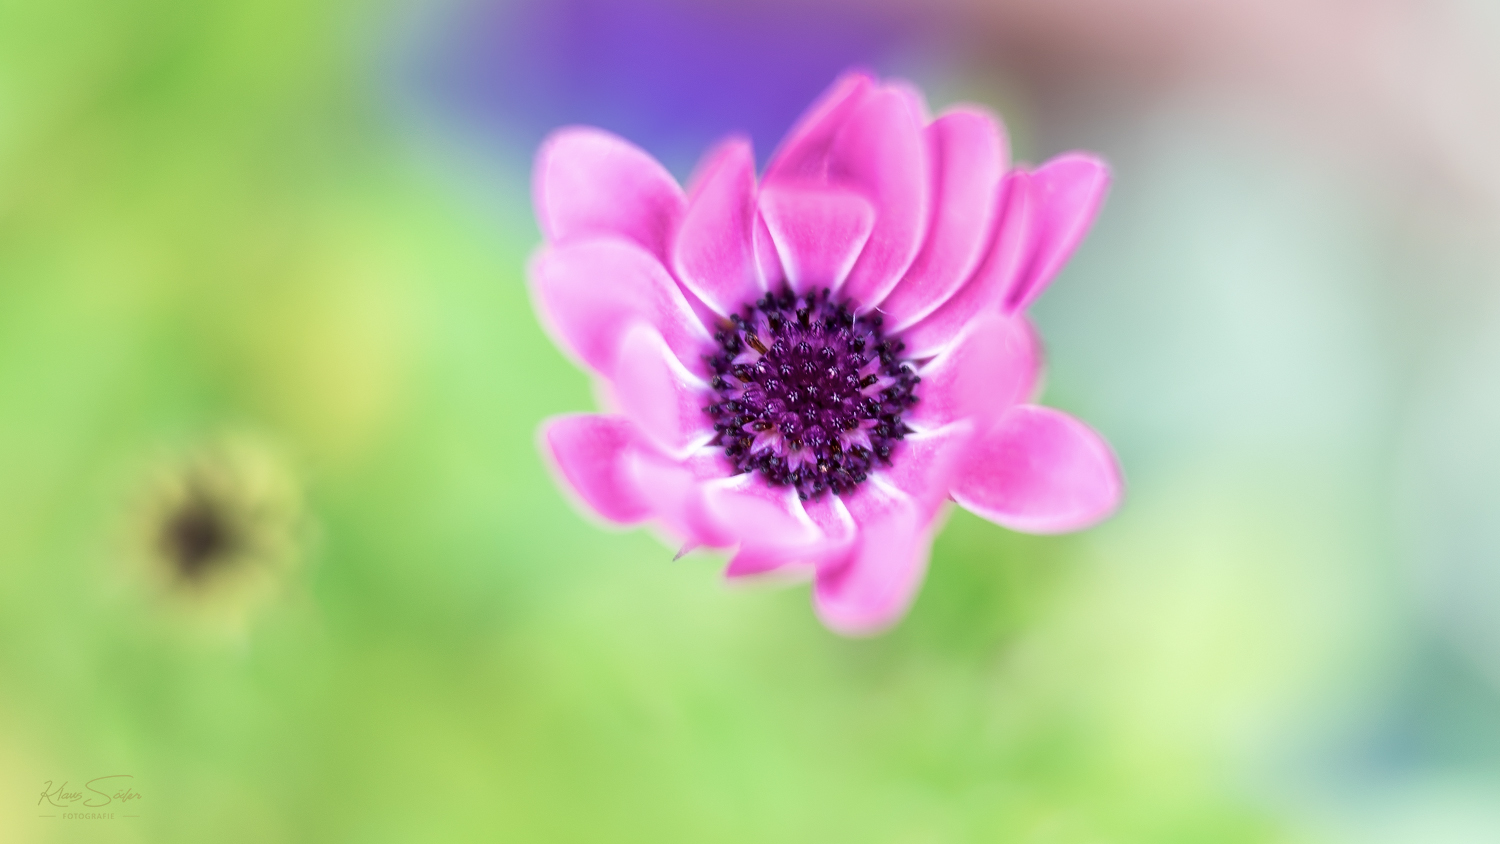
<point>806,368</point>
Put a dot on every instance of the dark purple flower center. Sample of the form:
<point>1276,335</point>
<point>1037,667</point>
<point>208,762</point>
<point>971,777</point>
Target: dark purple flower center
<point>808,393</point>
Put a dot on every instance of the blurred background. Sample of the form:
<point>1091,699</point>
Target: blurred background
<point>275,541</point>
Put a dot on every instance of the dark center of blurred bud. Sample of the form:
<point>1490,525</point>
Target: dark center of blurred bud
<point>197,535</point>
<point>808,393</point>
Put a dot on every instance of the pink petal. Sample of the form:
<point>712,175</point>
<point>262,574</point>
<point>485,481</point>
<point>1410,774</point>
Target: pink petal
<point>832,519</point>
<point>767,261</point>
<point>674,491</point>
<point>836,533</point>
<point>985,290</point>
<point>1069,190</point>
<point>750,510</point>
<point>803,156</point>
<point>714,251</point>
<point>881,152</point>
<point>660,396</point>
<point>706,315</point>
<point>916,103</point>
<point>589,183</point>
<point>969,154</point>
<point>992,365</point>
<point>817,232</point>
<point>1040,471</point>
<point>1033,390</point>
<point>755,562</point>
<point>925,464</point>
<point>588,293</point>
<point>585,452</point>
<point>875,587</point>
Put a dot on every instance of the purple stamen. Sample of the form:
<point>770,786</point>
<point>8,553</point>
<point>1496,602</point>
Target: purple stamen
<point>808,393</point>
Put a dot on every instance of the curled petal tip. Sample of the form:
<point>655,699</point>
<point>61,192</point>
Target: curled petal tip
<point>1039,470</point>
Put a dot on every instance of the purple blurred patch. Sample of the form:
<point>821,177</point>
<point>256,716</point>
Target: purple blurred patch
<point>671,75</point>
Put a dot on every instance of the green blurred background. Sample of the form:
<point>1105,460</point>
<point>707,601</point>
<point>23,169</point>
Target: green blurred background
<point>304,225</point>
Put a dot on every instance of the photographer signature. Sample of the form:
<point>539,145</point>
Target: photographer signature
<point>105,790</point>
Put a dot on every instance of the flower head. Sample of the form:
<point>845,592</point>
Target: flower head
<point>217,529</point>
<point>804,368</point>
